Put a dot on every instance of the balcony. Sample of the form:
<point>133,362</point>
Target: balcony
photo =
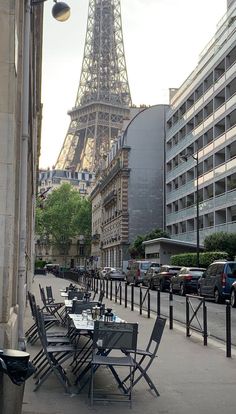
<point>110,198</point>
<point>191,235</point>
<point>222,201</point>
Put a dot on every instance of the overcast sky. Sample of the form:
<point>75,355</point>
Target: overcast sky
<point>162,40</point>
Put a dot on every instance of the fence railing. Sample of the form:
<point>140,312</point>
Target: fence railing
<point>196,309</point>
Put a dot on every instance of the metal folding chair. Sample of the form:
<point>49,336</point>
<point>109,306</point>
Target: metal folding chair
<point>54,356</point>
<point>147,355</point>
<point>52,307</point>
<point>109,337</point>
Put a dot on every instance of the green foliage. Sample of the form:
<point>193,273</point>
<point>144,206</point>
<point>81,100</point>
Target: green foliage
<point>65,215</point>
<point>190,259</point>
<point>137,250</point>
<point>39,264</point>
<point>222,241</point>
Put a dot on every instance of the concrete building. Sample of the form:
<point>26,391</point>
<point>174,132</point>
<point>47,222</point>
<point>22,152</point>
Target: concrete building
<point>202,121</point>
<point>131,188</point>
<point>20,122</point>
<point>82,181</point>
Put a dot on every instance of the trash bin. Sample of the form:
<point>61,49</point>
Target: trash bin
<point>17,366</point>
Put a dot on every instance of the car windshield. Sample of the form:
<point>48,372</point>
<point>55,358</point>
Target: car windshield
<point>196,272</point>
<point>145,266</point>
<point>231,270</point>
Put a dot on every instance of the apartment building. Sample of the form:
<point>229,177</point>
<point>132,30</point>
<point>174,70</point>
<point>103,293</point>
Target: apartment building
<point>81,181</point>
<point>128,199</point>
<point>201,124</point>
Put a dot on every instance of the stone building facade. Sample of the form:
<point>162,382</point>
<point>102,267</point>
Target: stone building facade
<point>20,122</point>
<point>128,198</point>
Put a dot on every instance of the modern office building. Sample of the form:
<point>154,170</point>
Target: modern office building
<point>201,123</point>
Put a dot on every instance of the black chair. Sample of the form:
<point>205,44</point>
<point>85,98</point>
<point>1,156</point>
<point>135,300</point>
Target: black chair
<point>147,355</point>
<point>75,294</point>
<point>55,356</point>
<point>52,307</point>
<point>109,337</point>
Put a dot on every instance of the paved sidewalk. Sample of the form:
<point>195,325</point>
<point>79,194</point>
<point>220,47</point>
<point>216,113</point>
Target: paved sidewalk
<point>191,378</point>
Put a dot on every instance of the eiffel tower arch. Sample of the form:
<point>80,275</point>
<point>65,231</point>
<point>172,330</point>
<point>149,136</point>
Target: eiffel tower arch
<point>103,99</point>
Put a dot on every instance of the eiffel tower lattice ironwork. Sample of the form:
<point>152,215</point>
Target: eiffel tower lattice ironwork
<point>103,99</point>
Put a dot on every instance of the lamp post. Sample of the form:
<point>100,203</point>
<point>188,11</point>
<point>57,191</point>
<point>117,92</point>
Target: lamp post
<point>196,158</point>
<point>61,12</point>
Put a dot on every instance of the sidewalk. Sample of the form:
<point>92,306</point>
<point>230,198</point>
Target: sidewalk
<point>191,378</point>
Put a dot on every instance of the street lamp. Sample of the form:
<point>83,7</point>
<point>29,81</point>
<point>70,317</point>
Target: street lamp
<point>60,10</point>
<point>196,158</point>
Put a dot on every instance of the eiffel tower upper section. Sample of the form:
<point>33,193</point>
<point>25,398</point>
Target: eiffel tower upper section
<point>103,97</point>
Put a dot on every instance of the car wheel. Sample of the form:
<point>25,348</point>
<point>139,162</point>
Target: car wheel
<point>233,298</point>
<point>182,289</point>
<point>217,296</point>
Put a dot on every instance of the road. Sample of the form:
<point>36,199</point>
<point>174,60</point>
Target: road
<point>216,313</point>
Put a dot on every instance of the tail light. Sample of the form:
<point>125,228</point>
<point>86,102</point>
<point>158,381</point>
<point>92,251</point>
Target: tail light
<point>188,277</point>
<point>223,279</point>
<point>138,273</point>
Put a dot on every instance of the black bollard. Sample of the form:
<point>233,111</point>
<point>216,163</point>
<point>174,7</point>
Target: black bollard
<point>171,308</point>
<point>228,329</point>
<point>126,287</point>
<point>158,302</point>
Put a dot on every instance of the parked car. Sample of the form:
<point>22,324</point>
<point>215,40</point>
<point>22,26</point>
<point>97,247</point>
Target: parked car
<point>104,271</point>
<point>162,279</point>
<point>233,295</point>
<point>186,281</point>
<point>136,270</point>
<point>115,274</point>
<point>81,270</point>
<point>155,266</point>
<point>216,282</point>
<point>148,277</point>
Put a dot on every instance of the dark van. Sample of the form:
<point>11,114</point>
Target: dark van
<point>217,280</point>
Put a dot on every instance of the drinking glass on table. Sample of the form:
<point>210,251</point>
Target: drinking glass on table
<point>84,315</point>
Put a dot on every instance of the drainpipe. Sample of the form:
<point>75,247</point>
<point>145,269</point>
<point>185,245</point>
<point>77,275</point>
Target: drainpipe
<point>21,294</point>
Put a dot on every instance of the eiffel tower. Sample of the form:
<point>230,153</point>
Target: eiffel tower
<point>103,97</point>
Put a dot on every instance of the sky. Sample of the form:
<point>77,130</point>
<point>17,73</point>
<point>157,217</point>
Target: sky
<point>162,41</point>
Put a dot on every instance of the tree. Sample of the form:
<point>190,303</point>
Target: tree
<point>221,241</point>
<point>137,250</point>
<point>63,216</point>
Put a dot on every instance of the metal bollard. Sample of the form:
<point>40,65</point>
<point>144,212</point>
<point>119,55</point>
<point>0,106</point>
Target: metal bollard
<point>148,310</point>
<point>204,323</point>
<point>126,287</point>
<point>171,308</point>
<point>120,294</point>
<point>140,301</point>
<point>110,289</point>
<point>158,302</point>
<point>187,317</point>
<point>107,288</point>
<point>228,329</point>
<point>132,296</point>
<point>116,291</point>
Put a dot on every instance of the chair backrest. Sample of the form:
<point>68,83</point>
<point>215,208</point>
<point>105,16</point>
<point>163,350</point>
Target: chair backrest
<point>101,296</point>
<point>75,294</point>
<point>95,293</point>
<point>115,335</point>
<point>157,332</point>
<point>78,307</point>
<point>32,303</point>
<point>49,293</point>
<point>42,295</point>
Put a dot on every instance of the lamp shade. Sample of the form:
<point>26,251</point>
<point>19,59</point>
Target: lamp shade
<point>61,11</point>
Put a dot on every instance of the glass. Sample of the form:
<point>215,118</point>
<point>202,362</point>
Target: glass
<point>89,314</point>
<point>84,315</point>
